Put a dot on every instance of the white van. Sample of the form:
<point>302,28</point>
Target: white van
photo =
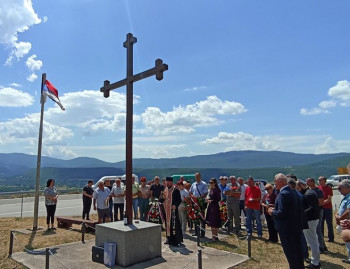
<point>334,180</point>
<point>113,179</point>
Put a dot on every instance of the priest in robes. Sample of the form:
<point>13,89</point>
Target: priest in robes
<point>172,202</point>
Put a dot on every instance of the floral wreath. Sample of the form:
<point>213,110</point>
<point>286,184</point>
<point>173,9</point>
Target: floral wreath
<point>223,211</point>
<point>194,209</point>
<point>155,213</point>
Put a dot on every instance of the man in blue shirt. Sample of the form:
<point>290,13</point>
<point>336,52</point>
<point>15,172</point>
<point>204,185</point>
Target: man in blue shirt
<point>222,186</point>
<point>344,209</point>
<point>101,197</point>
<point>199,189</point>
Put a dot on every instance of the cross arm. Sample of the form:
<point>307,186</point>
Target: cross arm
<point>158,70</point>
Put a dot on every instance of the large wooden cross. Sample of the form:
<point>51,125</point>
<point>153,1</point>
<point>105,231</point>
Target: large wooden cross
<point>128,81</point>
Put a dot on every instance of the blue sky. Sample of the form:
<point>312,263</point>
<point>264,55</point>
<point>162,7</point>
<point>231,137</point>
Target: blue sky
<point>243,75</point>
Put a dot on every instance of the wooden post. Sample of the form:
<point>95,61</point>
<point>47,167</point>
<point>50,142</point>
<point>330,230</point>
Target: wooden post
<point>158,70</point>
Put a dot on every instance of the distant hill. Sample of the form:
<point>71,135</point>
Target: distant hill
<point>236,159</point>
<point>18,169</point>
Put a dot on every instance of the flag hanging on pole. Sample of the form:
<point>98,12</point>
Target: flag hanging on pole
<point>50,91</point>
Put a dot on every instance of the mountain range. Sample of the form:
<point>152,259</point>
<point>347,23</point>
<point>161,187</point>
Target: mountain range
<point>20,169</point>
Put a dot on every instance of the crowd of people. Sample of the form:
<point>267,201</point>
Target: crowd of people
<point>295,211</point>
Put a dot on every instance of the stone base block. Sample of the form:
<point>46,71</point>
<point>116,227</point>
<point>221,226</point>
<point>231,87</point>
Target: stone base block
<point>136,243</point>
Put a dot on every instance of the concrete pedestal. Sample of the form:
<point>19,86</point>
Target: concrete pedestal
<point>135,243</point>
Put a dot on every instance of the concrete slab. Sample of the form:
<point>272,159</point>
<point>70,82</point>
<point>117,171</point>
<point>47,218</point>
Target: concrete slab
<point>143,238</point>
<point>78,255</point>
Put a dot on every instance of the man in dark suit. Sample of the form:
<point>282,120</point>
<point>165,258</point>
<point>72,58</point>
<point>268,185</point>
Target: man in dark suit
<point>289,221</point>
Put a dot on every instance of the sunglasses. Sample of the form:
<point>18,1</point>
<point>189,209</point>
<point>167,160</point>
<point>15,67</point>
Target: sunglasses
<point>339,188</point>
<point>211,182</point>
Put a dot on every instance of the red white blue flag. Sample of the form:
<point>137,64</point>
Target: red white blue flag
<point>50,91</point>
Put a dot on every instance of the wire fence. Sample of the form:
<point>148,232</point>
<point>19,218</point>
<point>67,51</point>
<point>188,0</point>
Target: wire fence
<point>84,229</point>
<point>46,251</point>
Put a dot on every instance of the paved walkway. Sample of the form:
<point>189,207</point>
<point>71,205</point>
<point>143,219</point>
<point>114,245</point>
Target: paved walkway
<point>78,255</point>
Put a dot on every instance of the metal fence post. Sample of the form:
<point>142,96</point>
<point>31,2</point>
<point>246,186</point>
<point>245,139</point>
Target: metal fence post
<point>198,235</point>
<point>83,231</point>
<point>11,243</point>
<point>249,246</point>
<point>47,261</point>
<point>199,259</point>
<point>228,228</point>
<point>22,205</point>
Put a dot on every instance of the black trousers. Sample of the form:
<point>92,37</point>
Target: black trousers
<point>291,244</point>
<point>119,207</point>
<point>50,209</point>
<point>86,208</point>
<point>271,228</point>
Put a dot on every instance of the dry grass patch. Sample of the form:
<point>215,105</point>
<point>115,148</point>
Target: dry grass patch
<point>264,255</point>
<point>270,255</point>
<point>33,240</point>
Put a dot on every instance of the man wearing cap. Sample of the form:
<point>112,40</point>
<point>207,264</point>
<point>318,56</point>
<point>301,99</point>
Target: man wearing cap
<point>172,202</point>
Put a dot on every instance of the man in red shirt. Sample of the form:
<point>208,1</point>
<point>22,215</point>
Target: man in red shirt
<point>252,206</point>
<point>327,207</point>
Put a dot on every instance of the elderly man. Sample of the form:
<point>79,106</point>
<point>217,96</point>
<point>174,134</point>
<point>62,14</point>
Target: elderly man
<point>233,192</point>
<point>289,220</point>
<point>344,209</point>
<point>101,198</point>
<point>118,193</point>
<point>199,189</point>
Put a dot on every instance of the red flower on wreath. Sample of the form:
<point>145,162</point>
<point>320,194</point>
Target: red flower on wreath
<point>223,211</point>
<point>193,209</point>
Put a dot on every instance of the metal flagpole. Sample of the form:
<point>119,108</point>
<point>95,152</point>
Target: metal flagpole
<point>38,164</point>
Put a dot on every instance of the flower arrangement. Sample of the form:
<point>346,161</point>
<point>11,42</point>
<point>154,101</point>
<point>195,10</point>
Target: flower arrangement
<point>193,208</point>
<point>223,211</point>
<point>154,214</point>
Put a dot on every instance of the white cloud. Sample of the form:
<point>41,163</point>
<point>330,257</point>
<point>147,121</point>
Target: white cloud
<point>316,144</point>
<point>25,130</point>
<point>157,151</point>
<point>32,77</point>
<point>241,141</point>
<point>313,111</point>
<point>327,104</point>
<point>33,64</point>
<point>10,97</point>
<point>16,16</point>
<point>341,92</point>
<point>340,95</point>
<point>15,85</point>
<point>186,119</point>
<point>91,112</point>
<point>193,89</point>
<point>18,51</point>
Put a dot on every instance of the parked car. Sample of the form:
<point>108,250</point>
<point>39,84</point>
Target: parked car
<point>334,180</point>
<point>263,181</point>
